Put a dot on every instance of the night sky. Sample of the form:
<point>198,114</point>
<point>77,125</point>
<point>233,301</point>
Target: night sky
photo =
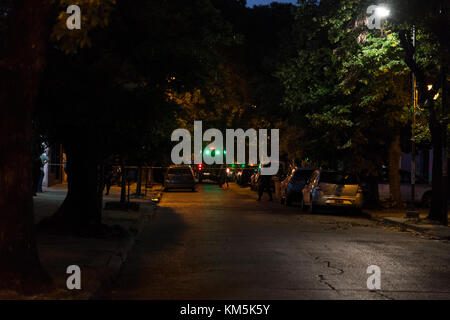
<point>251,3</point>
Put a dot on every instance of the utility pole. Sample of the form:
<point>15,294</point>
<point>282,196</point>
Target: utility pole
<point>412,212</point>
<point>444,146</point>
<point>444,70</point>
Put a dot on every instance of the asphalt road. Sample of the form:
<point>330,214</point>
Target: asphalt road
<point>216,244</point>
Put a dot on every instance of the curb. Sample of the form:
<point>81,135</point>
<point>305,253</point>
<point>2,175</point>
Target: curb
<point>403,224</point>
<point>420,230</point>
<point>118,258</point>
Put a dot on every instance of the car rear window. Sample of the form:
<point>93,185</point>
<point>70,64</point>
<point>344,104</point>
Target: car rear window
<point>180,171</point>
<point>338,178</point>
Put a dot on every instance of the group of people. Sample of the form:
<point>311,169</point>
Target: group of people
<point>112,176</point>
<point>264,184</point>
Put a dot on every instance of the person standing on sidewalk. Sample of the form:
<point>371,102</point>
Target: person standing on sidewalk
<point>223,179</point>
<point>264,185</point>
<point>44,161</point>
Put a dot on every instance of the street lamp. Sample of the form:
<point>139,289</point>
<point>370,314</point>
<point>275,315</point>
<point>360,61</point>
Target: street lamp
<point>382,12</point>
<point>412,213</point>
<point>378,13</point>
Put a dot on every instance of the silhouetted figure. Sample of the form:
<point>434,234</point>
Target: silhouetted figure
<point>108,178</point>
<point>44,161</point>
<point>264,185</point>
<point>223,178</point>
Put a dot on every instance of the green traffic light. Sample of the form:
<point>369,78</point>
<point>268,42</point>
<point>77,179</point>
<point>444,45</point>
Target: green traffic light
<point>214,152</point>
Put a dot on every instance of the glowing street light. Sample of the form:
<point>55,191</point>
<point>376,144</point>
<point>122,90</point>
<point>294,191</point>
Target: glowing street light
<point>377,14</point>
<point>382,12</point>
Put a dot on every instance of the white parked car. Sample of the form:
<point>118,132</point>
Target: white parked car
<point>422,191</point>
<point>332,189</point>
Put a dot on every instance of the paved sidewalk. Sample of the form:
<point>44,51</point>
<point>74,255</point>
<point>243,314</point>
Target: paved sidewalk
<point>422,224</point>
<point>99,259</point>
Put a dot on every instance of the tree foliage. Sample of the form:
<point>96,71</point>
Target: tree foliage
<point>349,86</point>
<point>111,99</point>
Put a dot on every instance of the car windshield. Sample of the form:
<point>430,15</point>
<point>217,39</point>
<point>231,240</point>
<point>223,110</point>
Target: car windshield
<point>338,178</point>
<point>302,175</point>
<point>180,171</point>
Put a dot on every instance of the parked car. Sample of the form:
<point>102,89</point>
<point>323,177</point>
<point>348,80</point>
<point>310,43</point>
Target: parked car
<point>208,172</point>
<point>332,189</point>
<point>292,186</point>
<point>179,177</point>
<point>422,189</point>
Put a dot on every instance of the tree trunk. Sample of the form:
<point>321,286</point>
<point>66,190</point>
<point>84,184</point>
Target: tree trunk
<point>395,153</point>
<point>139,181</point>
<point>20,268</point>
<point>436,141</point>
<point>100,189</point>
<point>372,196</point>
<point>82,207</point>
<point>123,185</point>
<point>444,214</point>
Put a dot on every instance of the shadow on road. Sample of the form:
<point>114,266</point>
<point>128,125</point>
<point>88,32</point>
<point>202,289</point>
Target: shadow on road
<point>162,235</point>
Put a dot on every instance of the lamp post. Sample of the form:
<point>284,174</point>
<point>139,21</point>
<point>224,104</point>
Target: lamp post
<point>412,212</point>
<point>444,148</point>
<point>378,13</point>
